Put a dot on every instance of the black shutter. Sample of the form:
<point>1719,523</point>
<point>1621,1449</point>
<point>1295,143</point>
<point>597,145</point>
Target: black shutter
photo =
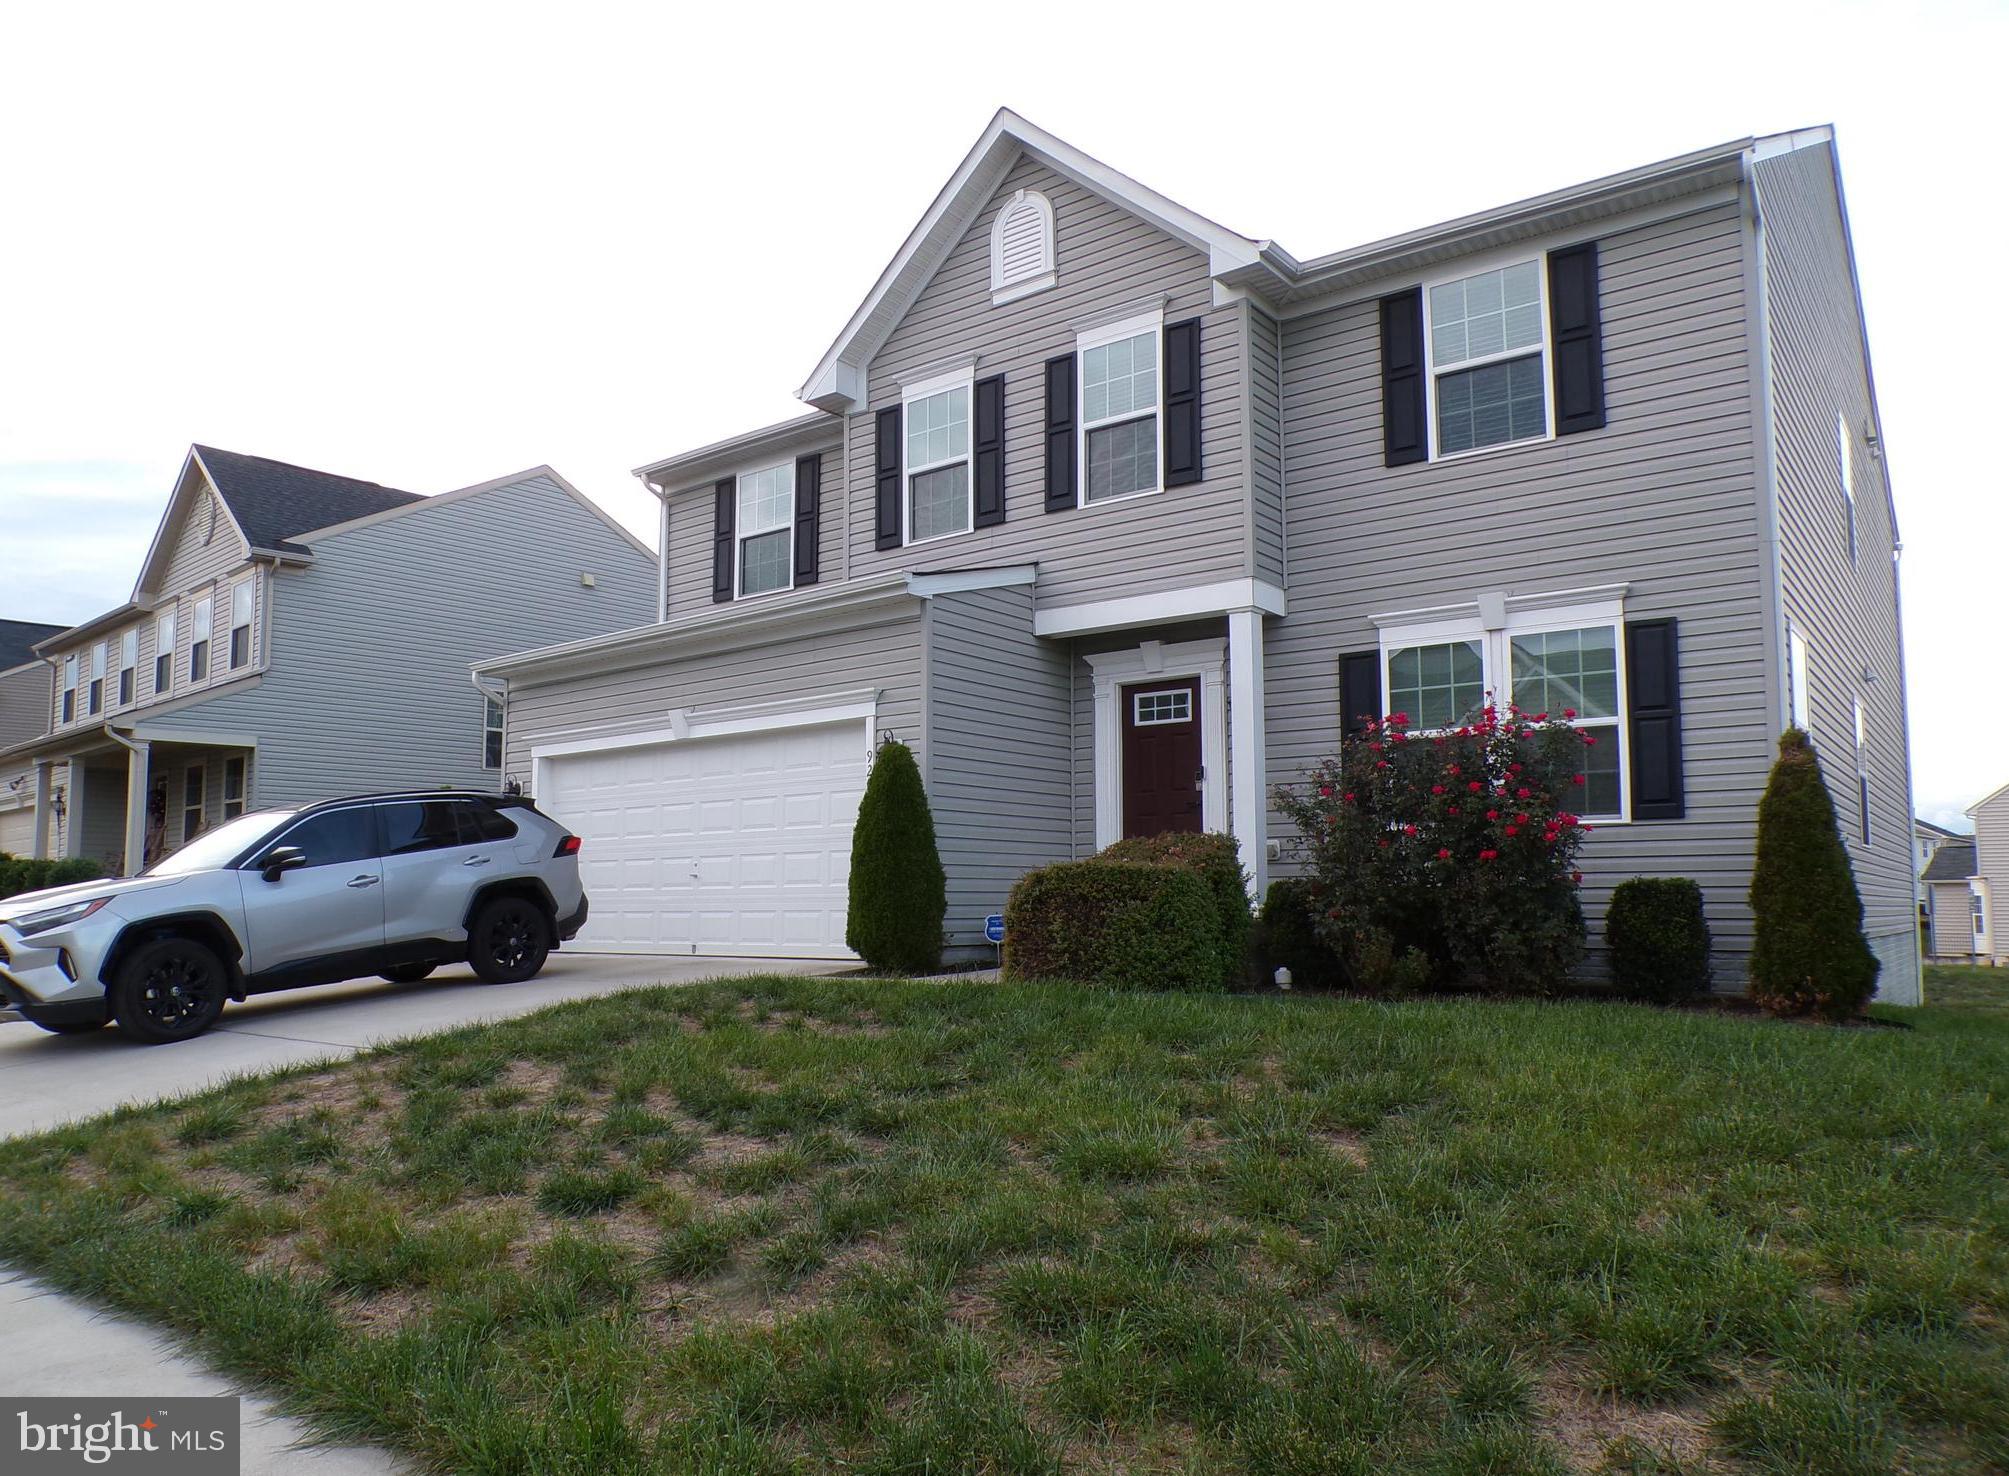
<point>1182,403</point>
<point>1575,339</point>
<point>808,510</point>
<point>1060,457</point>
<point>1404,437</point>
<point>1359,691</point>
<point>987,452</point>
<point>886,480</point>
<point>723,496</point>
<point>1653,683</point>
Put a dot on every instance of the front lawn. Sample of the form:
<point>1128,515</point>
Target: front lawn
<point>782,1225</point>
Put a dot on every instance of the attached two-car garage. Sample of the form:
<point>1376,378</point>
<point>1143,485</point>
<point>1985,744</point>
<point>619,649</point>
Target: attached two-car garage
<point>714,843</point>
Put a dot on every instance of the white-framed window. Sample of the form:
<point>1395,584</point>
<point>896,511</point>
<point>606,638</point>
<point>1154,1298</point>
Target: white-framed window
<point>1122,434</point>
<point>129,660</point>
<point>1156,709</point>
<point>1862,774</point>
<point>235,770</point>
<point>1566,661</point>
<point>163,654</point>
<point>1486,343</point>
<point>198,642</point>
<point>764,531</point>
<point>1845,452</point>
<point>242,595</point>
<point>1980,905</point>
<point>1796,674</point>
<point>96,691</point>
<point>491,735</point>
<point>194,801</point>
<point>69,708</point>
<point>1022,247</point>
<point>936,417</point>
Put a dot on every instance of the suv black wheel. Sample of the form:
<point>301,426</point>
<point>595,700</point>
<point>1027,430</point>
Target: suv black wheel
<point>169,989</point>
<point>509,941</point>
<point>407,973</point>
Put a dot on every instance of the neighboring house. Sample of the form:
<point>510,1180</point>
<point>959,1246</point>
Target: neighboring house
<point>1120,518</point>
<point>1990,882</point>
<point>25,685</point>
<point>295,636</point>
<point>1955,914</point>
<point>1927,838</point>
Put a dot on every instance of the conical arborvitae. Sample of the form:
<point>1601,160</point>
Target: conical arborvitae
<point>898,894</point>
<point>1809,956</point>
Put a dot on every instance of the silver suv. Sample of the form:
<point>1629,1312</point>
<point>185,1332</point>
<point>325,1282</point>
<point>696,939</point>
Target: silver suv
<point>386,884</point>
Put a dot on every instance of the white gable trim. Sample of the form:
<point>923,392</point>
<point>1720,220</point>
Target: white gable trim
<point>178,504</point>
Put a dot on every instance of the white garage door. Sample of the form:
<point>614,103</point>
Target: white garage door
<point>17,832</point>
<point>729,845</point>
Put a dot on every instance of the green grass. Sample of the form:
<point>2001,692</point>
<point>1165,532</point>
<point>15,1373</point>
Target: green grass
<point>799,1225</point>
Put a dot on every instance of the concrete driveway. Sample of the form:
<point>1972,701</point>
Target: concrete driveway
<point>52,1344</point>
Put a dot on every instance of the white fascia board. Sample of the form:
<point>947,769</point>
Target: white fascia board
<point>961,581</point>
<point>145,733</point>
<point>1161,608</point>
<point>816,430</point>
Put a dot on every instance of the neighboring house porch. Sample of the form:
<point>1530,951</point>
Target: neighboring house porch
<point>110,795</point>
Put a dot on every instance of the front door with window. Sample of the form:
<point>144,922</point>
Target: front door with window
<point>1162,770</point>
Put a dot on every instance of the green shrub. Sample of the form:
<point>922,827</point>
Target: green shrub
<point>1124,924</point>
<point>19,874</point>
<point>898,893</point>
<point>1217,860</point>
<point>1808,952</point>
<point>1658,939</point>
<point>1291,939</point>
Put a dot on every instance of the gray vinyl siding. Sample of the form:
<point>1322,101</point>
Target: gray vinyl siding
<point>1952,909</point>
<point>200,555</point>
<point>1991,864</point>
<point>368,684</point>
<point>1847,610</point>
<point>1665,499</point>
<point>102,834</point>
<point>690,540</point>
<point>24,703</point>
<point>1109,264</point>
<point>998,772</point>
<point>1266,461</point>
<point>884,653</point>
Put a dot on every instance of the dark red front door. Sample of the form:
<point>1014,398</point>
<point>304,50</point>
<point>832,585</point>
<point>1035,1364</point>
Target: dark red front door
<point>1161,757</point>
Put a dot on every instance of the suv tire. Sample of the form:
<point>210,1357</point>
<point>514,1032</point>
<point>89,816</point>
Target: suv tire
<point>509,941</point>
<point>407,973</point>
<point>169,989</point>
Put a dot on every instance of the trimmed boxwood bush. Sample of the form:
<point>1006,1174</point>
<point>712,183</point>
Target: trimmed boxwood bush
<point>1124,924</point>
<point>1808,952</point>
<point>1217,860</point>
<point>20,874</point>
<point>1290,937</point>
<point>1658,939</point>
<point>898,893</point>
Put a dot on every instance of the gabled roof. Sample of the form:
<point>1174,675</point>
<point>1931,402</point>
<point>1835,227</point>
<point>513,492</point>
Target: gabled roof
<point>1941,831</point>
<point>18,639</point>
<point>274,500</point>
<point>1987,799</point>
<point>1952,862</point>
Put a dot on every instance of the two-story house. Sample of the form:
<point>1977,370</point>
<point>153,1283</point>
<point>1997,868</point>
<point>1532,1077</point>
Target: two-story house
<point>25,685</point>
<point>295,635</point>
<point>1121,518</point>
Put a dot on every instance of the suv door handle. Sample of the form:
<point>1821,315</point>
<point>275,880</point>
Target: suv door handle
<point>476,861</point>
<point>364,881</point>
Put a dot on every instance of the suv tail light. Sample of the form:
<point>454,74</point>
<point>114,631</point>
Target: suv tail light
<point>567,846</point>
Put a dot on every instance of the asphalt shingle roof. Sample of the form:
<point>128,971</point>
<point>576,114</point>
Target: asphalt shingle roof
<point>1953,861</point>
<point>273,501</point>
<point>17,641</point>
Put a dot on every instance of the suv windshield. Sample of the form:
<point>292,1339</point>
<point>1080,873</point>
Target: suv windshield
<point>211,849</point>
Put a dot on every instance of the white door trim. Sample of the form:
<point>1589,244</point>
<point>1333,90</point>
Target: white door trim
<point>1113,670</point>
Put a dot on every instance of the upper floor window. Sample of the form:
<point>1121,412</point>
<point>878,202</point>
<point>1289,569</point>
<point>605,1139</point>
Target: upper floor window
<point>1022,247</point>
<point>766,530</point>
<point>163,653</point>
<point>96,703</point>
<point>129,660</point>
<point>198,644</point>
<point>1796,674</point>
<point>241,594</point>
<point>937,420</point>
<point>70,688</point>
<point>1845,453</point>
<point>491,735</point>
<point>1119,408</point>
<point>1488,374</point>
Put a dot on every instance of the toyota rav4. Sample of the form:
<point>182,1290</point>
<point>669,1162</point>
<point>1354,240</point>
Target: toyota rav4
<point>390,884</point>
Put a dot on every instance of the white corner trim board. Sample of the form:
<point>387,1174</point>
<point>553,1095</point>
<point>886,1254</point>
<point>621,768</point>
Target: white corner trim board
<point>1161,607</point>
<point>1206,660</point>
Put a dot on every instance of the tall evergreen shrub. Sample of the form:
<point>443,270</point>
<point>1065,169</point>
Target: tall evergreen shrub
<point>898,893</point>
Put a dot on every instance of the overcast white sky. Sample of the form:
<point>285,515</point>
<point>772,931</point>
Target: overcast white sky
<point>430,244</point>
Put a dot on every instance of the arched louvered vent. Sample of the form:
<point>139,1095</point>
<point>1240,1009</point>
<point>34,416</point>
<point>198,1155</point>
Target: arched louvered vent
<point>1022,247</point>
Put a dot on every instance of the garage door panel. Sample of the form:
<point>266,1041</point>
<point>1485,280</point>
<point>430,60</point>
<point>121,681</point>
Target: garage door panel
<point>737,845</point>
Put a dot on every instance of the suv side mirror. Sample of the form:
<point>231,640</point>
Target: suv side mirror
<point>280,860</point>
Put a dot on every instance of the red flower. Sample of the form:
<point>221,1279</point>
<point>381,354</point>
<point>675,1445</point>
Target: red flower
<point>1383,763</point>
<point>1436,789</point>
<point>1522,818</point>
<point>1489,855</point>
<point>1375,747</point>
<point>1443,855</point>
<point>1541,717</point>
<point>1409,830</point>
<point>1524,793</point>
<point>1348,796</point>
<point>1576,778</point>
<point>1450,809</point>
<point>1513,830</point>
<point>1475,786</point>
<point>1492,814</point>
<point>1570,713</point>
<point>1383,843</point>
<point>1325,791</point>
<point>1577,877</point>
<point>1588,741</point>
<point>1450,768</point>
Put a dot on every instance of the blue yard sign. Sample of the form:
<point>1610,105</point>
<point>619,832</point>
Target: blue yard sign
<point>994,928</point>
